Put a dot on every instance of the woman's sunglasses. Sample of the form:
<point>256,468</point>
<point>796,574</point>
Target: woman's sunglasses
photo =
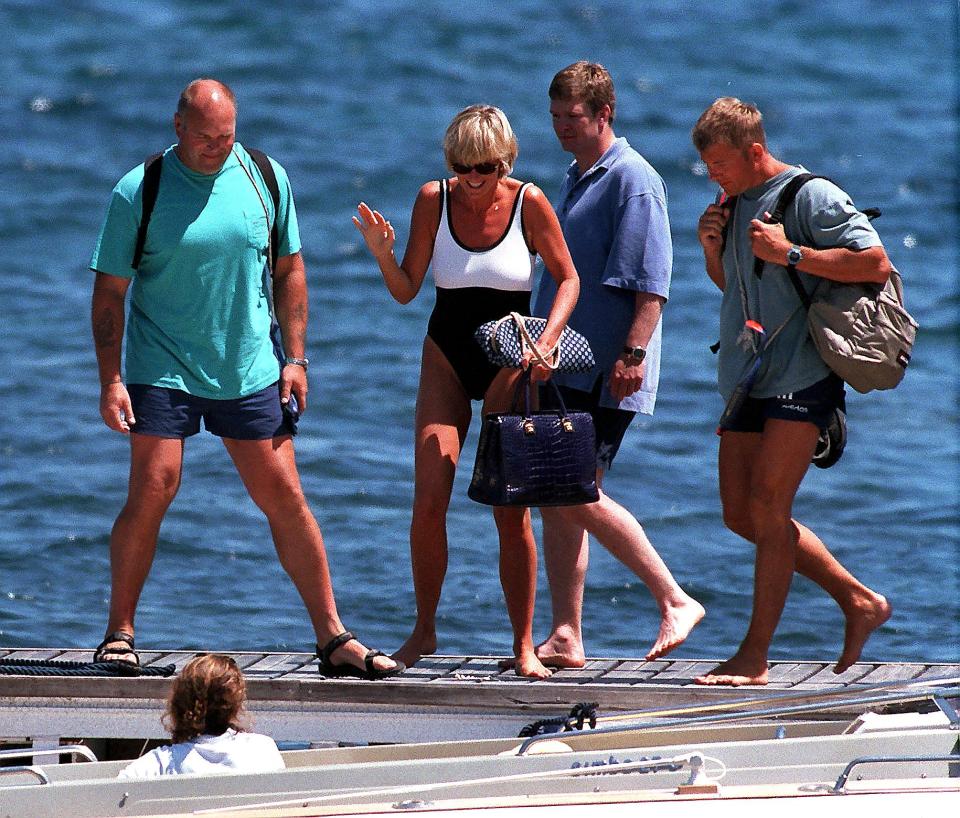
<point>483,168</point>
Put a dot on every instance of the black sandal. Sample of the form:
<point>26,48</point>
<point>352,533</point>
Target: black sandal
<point>368,671</point>
<point>114,654</point>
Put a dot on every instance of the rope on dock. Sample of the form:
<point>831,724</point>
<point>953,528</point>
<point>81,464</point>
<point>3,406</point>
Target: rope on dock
<point>53,667</point>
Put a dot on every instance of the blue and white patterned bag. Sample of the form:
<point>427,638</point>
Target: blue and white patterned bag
<point>506,339</point>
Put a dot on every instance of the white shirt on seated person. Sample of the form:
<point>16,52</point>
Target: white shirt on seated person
<point>231,752</point>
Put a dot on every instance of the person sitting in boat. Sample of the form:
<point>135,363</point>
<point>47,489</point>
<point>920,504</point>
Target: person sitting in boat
<point>205,716</point>
<point>481,232</point>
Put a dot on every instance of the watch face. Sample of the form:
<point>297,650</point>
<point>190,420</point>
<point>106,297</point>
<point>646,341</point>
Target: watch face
<point>794,255</point>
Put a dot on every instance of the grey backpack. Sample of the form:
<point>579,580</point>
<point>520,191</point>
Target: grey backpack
<point>862,331</point>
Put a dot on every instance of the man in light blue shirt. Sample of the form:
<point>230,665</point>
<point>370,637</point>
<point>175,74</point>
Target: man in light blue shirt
<point>199,349</point>
<point>613,211</point>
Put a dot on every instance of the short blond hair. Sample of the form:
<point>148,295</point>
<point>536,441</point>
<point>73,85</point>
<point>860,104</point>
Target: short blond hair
<point>481,133</point>
<point>738,124</point>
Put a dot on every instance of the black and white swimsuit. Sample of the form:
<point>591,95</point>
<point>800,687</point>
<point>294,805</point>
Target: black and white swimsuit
<point>476,285</point>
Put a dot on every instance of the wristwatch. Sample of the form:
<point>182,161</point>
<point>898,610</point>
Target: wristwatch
<point>794,255</point>
<point>304,362</point>
<point>637,353</point>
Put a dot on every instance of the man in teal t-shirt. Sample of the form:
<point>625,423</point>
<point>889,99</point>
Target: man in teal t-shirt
<point>198,348</point>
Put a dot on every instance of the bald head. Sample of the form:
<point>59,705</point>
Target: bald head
<point>203,92</point>
<point>205,122</point>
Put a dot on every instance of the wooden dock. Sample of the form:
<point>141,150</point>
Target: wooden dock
<point>441,698</point>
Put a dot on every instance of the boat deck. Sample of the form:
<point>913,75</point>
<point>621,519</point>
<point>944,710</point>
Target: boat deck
<point>442,697</point>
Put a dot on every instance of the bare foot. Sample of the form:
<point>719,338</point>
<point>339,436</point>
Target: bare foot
<point>675,627</point>
<point>527,664</point>
<point>861,622</point>
<point>415,648</point>
<point>562,648</point>
<point>741,669</point>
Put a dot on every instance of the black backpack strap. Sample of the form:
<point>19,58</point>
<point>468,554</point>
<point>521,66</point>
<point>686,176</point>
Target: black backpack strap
<point>262,161</point>
<point>784,200</point>
<point>730,205</point>
<point>152,167</point>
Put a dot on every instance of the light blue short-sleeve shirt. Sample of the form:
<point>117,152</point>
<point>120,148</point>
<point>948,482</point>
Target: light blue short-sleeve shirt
<point>614,220</point>
<point>821,215</point>
<point>199,319</point>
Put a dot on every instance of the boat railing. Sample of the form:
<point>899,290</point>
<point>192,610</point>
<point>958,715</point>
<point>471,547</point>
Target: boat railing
<point>841,784</point>
<point>818,703</point>
<point>72,750</point>
<point>34,771</point>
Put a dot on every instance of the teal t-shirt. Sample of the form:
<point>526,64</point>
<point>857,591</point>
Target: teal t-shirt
<point>821,216</point>
<point>199,319</point>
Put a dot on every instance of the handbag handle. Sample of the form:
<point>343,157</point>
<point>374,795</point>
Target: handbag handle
<point>525,339</point>
<point>525,386</point>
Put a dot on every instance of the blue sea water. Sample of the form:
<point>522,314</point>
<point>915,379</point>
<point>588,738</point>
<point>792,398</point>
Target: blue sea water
<point>353,99</point>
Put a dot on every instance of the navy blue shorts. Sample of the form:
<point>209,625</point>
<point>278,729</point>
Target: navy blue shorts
<point>815,405</point>
<point>172,413</point>
<point>609,424</point>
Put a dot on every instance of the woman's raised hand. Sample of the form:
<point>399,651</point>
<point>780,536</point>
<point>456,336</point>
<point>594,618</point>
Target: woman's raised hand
<point>376,230</point>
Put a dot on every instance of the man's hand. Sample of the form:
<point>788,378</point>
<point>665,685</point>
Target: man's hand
<point>768,241</point>
<point>626,377</point>
<point>710,229</point>
<point>115,407</point>
<point>294,379</point>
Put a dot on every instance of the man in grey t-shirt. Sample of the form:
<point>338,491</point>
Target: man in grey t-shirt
<point>766,448</point>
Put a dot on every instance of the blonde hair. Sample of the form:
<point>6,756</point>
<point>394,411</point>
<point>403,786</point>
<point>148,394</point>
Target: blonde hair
<point>481,133</point>
<point>586,82</point>
<point>738,124</point>
<point>206,698</point>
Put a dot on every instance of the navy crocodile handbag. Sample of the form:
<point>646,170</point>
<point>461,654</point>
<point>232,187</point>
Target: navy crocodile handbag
<point>535,458</point>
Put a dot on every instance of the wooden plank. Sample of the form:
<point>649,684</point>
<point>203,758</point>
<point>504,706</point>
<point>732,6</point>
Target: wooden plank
<point>827,678</point>
<point>789,674</point>
<point>682,671</point>
<point>467,683</point>
<point>157,658</point>
<point>33,653</point>
<point>276,665</point>
<point>488,666</point>
<point>75,656</point>
<point>892,673</point>
<point>590,672</point>
<point>435,667</point>
<point>934,672</point>
<point>176,658</point>
<point>630,672</point>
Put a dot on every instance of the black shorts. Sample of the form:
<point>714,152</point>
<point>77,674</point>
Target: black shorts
<point>815,404</point>
<point>609,424</point>
<point>172,413</point>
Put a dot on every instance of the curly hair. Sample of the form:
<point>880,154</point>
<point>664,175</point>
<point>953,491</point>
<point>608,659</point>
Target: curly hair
<point>206,698</point>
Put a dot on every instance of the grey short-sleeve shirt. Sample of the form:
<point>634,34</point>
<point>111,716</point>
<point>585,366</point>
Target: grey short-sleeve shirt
<point>822,215</point>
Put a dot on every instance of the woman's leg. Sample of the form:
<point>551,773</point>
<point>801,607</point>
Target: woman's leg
<point>442,417</point>
<point>518,552</point>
